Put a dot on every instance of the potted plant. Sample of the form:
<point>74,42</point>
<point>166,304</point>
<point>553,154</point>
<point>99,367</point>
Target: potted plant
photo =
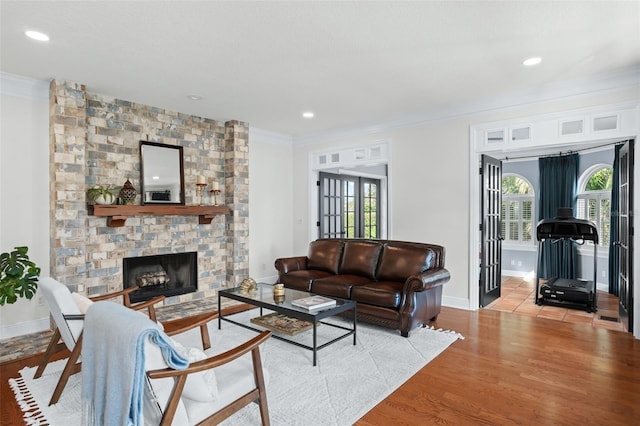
<point>103,194</point>
<point>18,276</point>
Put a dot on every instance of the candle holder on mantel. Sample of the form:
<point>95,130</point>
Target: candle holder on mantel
<point>214,193</point>
<point>199,191</point>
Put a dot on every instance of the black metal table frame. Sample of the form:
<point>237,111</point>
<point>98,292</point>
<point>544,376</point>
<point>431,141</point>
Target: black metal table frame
<point>315,319</point>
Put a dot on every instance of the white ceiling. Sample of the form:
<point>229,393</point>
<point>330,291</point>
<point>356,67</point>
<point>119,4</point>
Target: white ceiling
<point>352,63</point>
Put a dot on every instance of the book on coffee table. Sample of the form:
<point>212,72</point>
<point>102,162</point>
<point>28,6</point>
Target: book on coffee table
<point>314,302</point>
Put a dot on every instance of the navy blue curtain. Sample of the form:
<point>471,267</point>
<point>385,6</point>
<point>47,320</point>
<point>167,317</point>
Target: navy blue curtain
<point>614,261</point>
<point>558,188</point>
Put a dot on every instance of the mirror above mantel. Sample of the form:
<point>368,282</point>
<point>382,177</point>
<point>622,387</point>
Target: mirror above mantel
<point>161,173</point>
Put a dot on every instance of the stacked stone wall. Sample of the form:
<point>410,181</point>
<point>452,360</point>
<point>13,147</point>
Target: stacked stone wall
<point>95,140</point>
<point>237,196</point>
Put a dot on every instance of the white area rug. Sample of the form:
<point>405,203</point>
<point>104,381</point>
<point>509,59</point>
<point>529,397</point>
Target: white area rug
<point>347,382</point>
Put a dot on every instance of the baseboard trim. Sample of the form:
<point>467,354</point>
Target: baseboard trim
<point>268,280</point>
<point>519,274</point>
<point>457,302</point>
<point>25,327</point>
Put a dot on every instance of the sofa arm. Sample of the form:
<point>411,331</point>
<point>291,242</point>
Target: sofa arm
<point>428,279</point>
<point>288,264</point>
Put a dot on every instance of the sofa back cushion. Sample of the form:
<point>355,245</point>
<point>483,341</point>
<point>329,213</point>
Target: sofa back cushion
<point>325,255</point>
<point>360,258</point>
<point>400,261</point>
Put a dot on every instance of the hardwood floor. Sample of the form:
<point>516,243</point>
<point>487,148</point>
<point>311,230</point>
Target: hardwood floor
<point>509,369</point>
<point>517,369</point>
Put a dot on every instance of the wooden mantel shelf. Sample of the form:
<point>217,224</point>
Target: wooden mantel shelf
<point>117,214</point>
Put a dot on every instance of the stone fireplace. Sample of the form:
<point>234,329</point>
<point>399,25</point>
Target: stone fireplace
<point>94,139</point>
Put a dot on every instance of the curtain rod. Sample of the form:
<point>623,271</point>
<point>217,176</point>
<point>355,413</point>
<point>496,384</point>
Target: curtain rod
<point>573,151</point>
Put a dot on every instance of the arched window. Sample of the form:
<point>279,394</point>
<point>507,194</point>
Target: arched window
<point>517,209</point>
<point>594,199</point>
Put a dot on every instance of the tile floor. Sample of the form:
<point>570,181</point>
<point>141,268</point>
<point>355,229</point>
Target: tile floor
<point>518,296</point>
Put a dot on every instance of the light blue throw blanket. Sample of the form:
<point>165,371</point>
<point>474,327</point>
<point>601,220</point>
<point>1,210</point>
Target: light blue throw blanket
<point>113,363</point>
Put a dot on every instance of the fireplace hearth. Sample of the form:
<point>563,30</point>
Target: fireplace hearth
<point>161,275</point>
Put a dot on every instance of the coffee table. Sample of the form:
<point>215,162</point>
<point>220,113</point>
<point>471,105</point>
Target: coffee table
<point>263,298</point>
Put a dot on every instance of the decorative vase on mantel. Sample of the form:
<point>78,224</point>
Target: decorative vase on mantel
<point>128,193</point>
<point>105,199</point>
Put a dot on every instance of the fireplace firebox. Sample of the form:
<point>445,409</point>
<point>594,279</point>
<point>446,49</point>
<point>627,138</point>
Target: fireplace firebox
<point>161,275</point>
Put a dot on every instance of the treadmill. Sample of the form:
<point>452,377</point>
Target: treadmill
<point>569,293</point>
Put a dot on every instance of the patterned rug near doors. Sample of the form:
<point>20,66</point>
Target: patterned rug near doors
<point>348,381</point>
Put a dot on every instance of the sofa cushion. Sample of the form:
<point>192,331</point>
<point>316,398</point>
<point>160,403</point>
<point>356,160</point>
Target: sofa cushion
<point>387,294</point>
<point>325,255</point>
<point>400,261</point>
<point>337,285</point>
<point>301,280</point>
<point>360,258</point>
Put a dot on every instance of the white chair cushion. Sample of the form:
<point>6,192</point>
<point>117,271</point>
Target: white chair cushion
<point>234,380</point>
<point>200,386</point>
<point>83,303</point>
<point>157,391</point>
<point>61,303</point>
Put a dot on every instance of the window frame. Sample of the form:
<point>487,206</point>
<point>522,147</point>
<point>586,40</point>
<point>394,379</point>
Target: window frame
<point>520,198</point>
<point>598,196</point>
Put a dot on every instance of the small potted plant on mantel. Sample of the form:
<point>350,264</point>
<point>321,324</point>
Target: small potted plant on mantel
<point>18,276</point>
<point>103,194</point>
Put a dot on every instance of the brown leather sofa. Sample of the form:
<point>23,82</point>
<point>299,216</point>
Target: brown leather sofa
<point>397,284</point>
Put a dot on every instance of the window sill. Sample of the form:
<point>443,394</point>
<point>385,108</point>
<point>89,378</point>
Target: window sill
<point>519,247</point>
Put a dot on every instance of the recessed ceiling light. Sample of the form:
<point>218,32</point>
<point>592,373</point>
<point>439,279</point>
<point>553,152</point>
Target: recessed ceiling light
<point>36,35</point>
<point>194,97</point>
<point>531,61</point>
<point>155,177</point>
<point>307,114</point>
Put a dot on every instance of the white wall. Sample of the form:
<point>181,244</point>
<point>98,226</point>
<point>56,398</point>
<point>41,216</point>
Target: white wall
<point>24,190</point>
<point>270,197</point>
<point>428,165</point>
<point>429,180</point>
<point>429,186</point>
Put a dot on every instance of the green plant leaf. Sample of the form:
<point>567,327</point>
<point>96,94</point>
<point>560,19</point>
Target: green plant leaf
<point>18,275</point>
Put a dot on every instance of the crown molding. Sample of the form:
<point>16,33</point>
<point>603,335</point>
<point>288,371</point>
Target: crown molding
<point>23,87</point>
<point>268,136</point>
<point>553,91</point>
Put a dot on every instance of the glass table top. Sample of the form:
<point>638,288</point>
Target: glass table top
<point>264,295</point>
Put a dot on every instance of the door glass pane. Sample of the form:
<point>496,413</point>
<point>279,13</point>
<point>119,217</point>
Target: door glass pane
<point>330,206</point>
<point>369,203</point>
<point>349,209</point>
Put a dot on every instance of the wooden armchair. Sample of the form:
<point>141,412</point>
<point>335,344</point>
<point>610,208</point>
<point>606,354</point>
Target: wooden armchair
<point>69,322</point>
<point>161,382</point>
<point>247,385</point>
